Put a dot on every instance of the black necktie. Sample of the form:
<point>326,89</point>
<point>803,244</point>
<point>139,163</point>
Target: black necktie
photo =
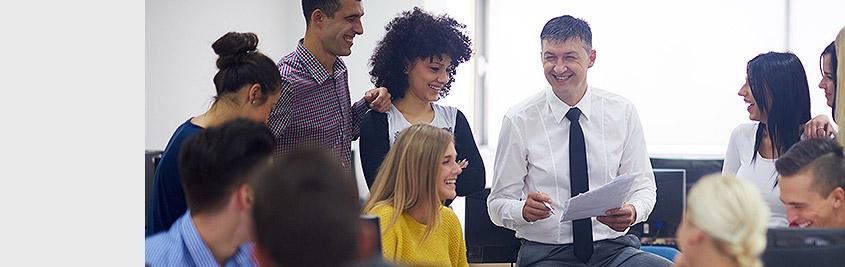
<point>582,229</point>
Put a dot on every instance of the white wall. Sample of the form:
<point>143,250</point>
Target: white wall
<point>813,25</point>
<point>180,62</point>
<point>179,59</point>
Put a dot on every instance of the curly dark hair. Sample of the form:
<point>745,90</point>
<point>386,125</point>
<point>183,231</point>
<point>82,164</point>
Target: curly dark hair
<point>416,35</point>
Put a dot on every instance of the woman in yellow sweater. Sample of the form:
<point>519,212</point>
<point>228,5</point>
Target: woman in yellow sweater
<point>417,175</point>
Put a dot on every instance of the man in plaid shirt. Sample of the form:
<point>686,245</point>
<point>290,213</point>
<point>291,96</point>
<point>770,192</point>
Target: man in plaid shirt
<point>314,106</point>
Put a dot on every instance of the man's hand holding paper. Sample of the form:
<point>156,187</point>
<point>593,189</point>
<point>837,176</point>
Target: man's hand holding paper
<point>607,203</point>
<point>619,219</point>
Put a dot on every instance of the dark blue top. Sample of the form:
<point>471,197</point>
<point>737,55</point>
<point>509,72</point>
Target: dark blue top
<point>167,200</point>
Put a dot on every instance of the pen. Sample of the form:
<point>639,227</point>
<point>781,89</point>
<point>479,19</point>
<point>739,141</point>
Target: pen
<point>548,206</point>
<point>551,209</point>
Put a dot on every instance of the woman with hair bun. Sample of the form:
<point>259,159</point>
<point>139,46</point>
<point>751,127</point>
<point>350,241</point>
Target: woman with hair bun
<point>724,224</point>
<point>248,85</point>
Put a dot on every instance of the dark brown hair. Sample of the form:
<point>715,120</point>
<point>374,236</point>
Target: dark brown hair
<point>217,160</point>
<point>306,210</point>
<point>241,64</point>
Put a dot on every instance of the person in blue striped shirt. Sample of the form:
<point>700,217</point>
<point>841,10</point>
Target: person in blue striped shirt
<point>217,228</point>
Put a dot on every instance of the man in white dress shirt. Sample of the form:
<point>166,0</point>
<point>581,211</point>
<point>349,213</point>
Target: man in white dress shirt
<point>561,142</point>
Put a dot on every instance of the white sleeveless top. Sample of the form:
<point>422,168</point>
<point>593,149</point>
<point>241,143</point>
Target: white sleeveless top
<point>444,117</point>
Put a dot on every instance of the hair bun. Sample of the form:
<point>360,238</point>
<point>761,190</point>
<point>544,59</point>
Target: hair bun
<point>233,47</point>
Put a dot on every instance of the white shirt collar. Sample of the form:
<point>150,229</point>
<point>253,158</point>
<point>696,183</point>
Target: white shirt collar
<point>560,108</point>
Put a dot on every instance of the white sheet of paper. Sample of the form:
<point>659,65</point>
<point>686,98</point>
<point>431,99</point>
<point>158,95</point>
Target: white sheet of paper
<point>597,201</point>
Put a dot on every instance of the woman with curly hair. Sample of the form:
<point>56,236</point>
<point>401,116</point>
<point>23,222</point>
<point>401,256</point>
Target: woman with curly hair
<point>416,61</point>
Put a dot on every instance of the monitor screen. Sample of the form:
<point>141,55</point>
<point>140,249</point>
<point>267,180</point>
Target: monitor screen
<point>804,247</point>
<point>669,209</point>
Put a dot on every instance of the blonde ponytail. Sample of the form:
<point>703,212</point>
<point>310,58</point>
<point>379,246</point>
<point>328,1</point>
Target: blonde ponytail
<point>732,212</point>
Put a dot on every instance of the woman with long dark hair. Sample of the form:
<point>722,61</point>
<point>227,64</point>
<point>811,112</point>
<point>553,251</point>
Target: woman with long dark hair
<point>821,126</point>
<point>777,94</point>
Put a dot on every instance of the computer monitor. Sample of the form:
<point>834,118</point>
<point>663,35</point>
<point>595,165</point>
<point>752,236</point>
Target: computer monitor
<point>804,247</point>
<point>669,209</point>
<point>697,166</point>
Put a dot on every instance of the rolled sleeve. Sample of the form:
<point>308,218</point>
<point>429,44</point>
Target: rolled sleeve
<point>358,108</point>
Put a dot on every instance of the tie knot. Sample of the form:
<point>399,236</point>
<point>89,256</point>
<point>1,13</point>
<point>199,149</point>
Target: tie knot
<point>573,114</point>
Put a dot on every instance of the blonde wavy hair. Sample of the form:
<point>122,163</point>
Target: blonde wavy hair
<point>732,212</point>
<point>407,178</point>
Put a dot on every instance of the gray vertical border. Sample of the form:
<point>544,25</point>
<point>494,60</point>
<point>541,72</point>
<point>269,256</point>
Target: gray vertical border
<point>479,123</point>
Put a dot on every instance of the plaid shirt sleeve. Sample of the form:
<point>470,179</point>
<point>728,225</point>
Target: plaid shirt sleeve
<point>358,110</point>
<point>281,115</point>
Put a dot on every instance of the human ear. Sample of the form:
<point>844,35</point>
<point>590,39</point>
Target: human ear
<point>697,237</point>
<point>317,17</point>
<point>255,94</point>
<point>244,196</point>
<point>837,196</point>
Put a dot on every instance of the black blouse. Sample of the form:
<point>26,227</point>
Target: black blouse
<point>375,143</point>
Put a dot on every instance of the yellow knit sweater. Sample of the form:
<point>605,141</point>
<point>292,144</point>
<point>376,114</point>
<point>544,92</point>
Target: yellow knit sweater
<point>402,243</point>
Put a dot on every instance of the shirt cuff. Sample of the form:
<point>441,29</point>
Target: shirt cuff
<point>516,214</point>
<point>360,107</point>
<point>639,208</point>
